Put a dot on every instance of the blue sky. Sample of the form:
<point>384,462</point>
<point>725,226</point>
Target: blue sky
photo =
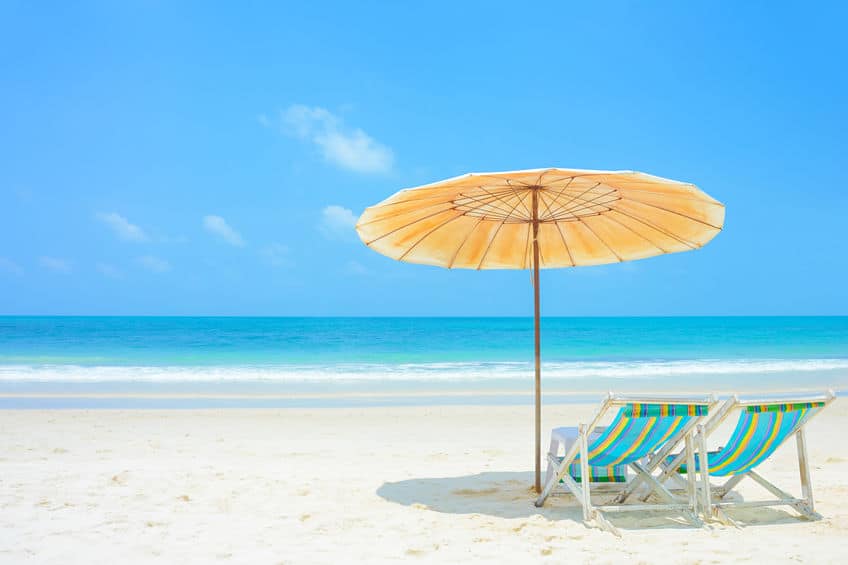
<point>175,158</point>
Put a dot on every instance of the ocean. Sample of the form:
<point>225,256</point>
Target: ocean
<point>243,361</point>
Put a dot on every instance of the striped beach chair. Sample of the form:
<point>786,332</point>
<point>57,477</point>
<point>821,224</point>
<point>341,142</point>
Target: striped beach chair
<point>762,427</point>
<point>641,426</point>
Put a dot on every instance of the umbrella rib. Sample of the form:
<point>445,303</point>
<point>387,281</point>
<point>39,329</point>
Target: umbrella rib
<point>423,237</point>
<point>492,239</point>
<point>510,190</point>
<point>560,193</point>
<point>493,198</point>
<point>517,195</point>
<point>588,209</point>
<point>556,180</point>
<point>565,243</point>
<point>464,241</point>
<point>539,179</point>
<point>409,224</point>
<point>559,228</point>
<point>581,198</point>
<point>548,203</point>
<point>588,204</point>
<point>508,212</point>
<point>452,207</point>
<point>581,205</point>
<point>573,198</point>
<point>677,213</point>
<point>660,229</point>
<point>410,211</point>
<point>631,230</point>
<point>603,242</point>
<point>418,199</point>
<point>449,192</point>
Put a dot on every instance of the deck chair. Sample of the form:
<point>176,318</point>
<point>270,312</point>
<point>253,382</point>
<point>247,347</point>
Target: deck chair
<point>641,427</point>
<point>762,427</point>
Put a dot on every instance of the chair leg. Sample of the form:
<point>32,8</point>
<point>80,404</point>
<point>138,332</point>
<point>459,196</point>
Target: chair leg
<point>690,474</point>
<point>729,485</point>
<point>585,474</point>
<point>691,486</point>
<point>804,469</point>
<point>550,484</point>
<point>669,473</point>
<point>605,524</point>
<point>724,518</point>
<point>656,487</point>
<point>703,460</point>
<point>553,451</point>
<point>560,470</point>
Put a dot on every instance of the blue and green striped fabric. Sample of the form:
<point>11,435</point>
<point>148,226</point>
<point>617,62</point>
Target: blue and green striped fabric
<point>638,410</point>
<point>614,474</point>
<point>759,432</point>
<point>639,430</point>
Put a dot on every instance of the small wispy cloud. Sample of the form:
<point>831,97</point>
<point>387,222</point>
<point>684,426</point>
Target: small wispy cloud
<point>55,264</point>
<point>347,147</point>
<point>337,221</point>
<point>219,227</point>
<point>123,228</point>
<point>154,264</point>
<point>108,270</point>
<point>276,254</point>
<point>9,266</point>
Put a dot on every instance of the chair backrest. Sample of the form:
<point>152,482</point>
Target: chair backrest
<point>760,430</point>
<point>640,429</point>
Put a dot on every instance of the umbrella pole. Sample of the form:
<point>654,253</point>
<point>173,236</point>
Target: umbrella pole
<point>536,313</point>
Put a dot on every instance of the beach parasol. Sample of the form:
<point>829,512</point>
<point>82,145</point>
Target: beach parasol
<point>541,219</point>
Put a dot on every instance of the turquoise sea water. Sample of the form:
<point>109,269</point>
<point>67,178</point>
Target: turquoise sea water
<point>387,358</point>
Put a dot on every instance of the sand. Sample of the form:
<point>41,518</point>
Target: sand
<point>432,484</point>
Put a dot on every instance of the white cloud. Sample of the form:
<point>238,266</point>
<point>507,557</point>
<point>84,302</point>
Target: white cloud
<point>276,254</point>
<point>9,266</point>
<point>122,227</point>
<point>350,148</point>
<point>218,226</point>
<point>108,270</point>
<point>337,221</point>
<point>154,264</point>
<point>55,264</point>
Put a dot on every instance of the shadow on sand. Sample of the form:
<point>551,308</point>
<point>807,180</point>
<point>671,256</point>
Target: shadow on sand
<point>508,495</point>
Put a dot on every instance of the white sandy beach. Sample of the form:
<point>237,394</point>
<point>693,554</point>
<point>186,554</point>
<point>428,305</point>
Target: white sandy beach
<point>436,484</point>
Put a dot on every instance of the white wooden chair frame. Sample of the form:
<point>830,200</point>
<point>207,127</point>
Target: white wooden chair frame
<point>582,491</point>
<point>712,499</point>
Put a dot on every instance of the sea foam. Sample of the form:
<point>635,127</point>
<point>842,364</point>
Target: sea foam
<point>436,372</point>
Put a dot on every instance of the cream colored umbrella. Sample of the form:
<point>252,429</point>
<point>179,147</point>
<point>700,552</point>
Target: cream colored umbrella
<point>541,218</point>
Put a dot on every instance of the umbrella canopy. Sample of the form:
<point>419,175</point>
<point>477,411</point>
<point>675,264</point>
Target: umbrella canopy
<point>541,218</point>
